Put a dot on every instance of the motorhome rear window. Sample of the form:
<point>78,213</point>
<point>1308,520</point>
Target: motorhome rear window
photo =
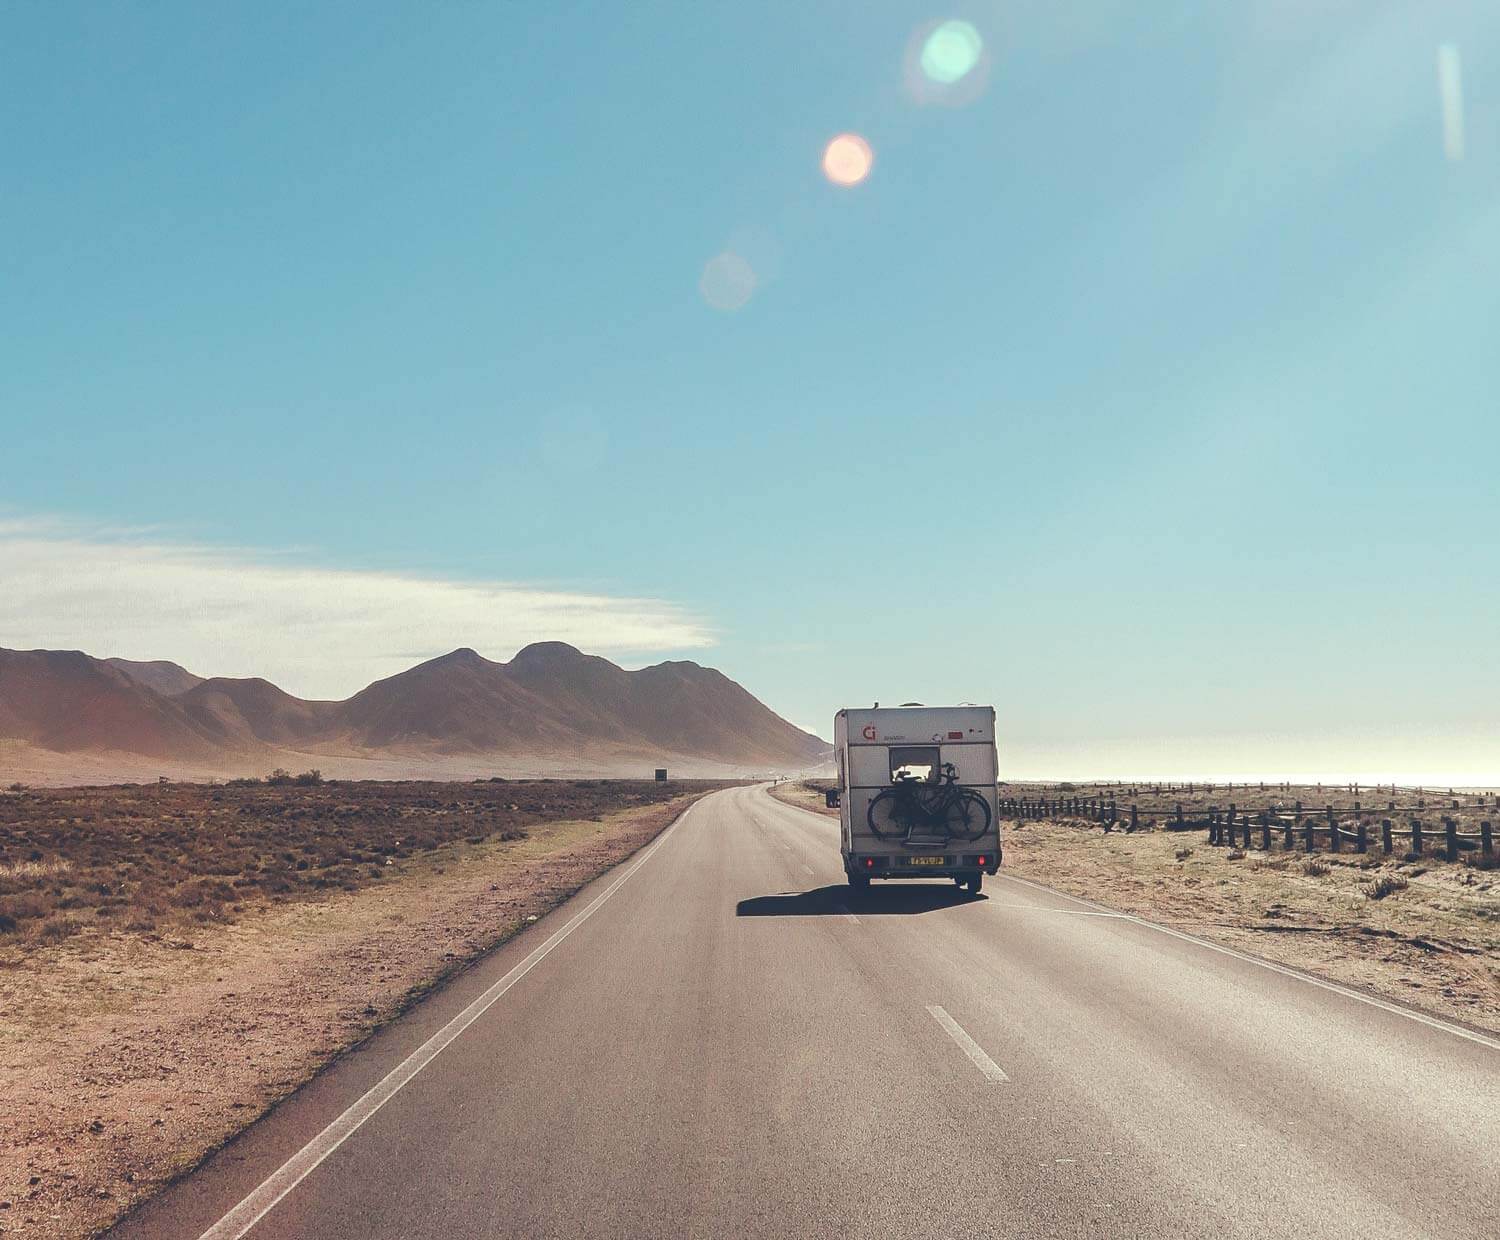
<point>914,762</point>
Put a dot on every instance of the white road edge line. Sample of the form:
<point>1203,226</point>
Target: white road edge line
<point>971,1048</point>
<point>263,1199</point>
<point>1420,1017</point>
<point>1066,912</point>
<point>844,909</point>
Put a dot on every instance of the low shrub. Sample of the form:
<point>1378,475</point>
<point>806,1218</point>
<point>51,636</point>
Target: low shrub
<point>1386,885</point>
<point>55,929</point>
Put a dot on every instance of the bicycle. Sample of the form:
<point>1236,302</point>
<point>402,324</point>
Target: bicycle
<point>922,814</point>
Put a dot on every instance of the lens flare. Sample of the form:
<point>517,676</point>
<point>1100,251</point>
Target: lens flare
<point>727,282</point>
<point>1451,92</point>
<point>946,63</point>
<point>951,52</point>
<point>847,159</point>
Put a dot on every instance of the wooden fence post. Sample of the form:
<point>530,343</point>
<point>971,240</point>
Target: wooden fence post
<point>1179,815</point>
<point>1134,820</point>
<point>1416,836</point>
<point>1333,832</point>
<point>1361,840</point>
<point>1486,839</point>
<point>1265,830</point>
<point>1385,835</point>
<point>1230,840</point>
<point>1450,829</point>
<point>1289,843</point>
<point>1307,835</point>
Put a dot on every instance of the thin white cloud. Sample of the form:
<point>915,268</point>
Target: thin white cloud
<point>316,631</point>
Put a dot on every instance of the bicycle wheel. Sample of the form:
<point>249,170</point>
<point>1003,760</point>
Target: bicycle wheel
<point>966,817</point>
<point>887,815</point>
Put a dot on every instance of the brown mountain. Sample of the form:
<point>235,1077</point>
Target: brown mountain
<point>455,703</point>
<point>551,702</point>
<point>244,712</point>
<point>67,701</point>
<point>158,674</point>
<point>677,707</point>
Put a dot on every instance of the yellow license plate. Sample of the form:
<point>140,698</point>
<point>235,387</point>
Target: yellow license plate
<point>927,860</point>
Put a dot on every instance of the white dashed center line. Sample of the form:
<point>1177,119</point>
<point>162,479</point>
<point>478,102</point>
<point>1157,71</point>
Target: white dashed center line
<point>971,1048</point>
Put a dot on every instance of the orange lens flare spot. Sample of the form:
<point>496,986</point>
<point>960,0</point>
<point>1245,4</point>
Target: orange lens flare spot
<point>847,159</point>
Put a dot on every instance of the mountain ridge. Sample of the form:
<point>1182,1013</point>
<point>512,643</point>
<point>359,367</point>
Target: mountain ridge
<point>551,701</point>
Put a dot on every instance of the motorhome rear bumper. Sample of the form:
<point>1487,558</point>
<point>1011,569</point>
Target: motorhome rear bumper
<point>887,866</point>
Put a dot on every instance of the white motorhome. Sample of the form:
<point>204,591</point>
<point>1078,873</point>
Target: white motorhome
<point>917,793</point>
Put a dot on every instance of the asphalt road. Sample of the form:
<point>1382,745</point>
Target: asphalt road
<point>719,1039</point>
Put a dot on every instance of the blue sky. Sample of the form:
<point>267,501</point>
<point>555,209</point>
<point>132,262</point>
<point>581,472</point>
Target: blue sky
<point>1148,391</point>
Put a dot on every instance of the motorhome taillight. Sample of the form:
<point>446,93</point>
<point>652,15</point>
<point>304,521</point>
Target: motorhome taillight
<point>981,858</point>
<point>869,863</point>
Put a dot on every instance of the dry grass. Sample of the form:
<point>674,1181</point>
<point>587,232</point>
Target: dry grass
<point>151,859</point>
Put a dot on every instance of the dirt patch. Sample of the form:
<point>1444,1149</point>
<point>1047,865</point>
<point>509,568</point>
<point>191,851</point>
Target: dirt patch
<point>126,1056</point>
<point>1425,934</point>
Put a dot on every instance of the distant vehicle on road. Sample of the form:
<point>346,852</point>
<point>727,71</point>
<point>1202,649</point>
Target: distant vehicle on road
<point>917,793</point>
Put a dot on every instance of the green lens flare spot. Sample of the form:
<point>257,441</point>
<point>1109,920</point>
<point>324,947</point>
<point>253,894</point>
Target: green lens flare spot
<point>951,52</point>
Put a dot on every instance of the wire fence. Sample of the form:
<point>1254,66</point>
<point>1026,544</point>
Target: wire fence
<point>1448,835</point>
